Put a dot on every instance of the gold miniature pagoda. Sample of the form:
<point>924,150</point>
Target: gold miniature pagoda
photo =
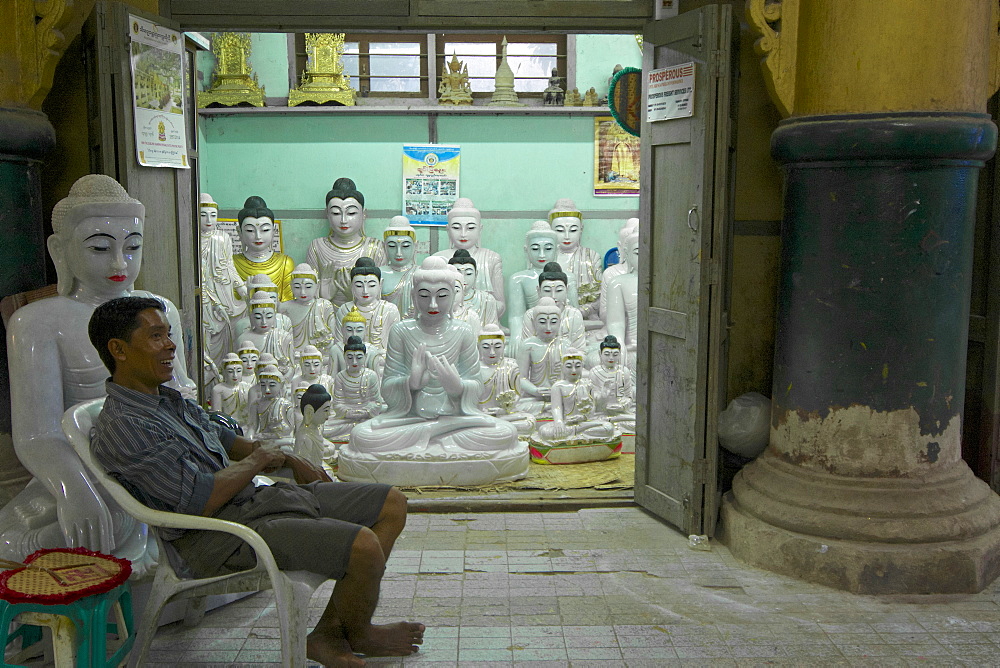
<point>503,88</point>
<point>323,80</point>
<point>234,81</point>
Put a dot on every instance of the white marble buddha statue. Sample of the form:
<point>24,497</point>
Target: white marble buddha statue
<point>630,227</point>
<point>230,395</point>
<point>400,240</point>
<point>584,264</point>
<point>366,296</point>
<point>261,284</point>
<point>481,302</point>
<point>433,431</point>
<point>356,395</point>
<point>258,256</point>
<point>621,317</point>
<point>247,351</point>
<point>465,227</point>
<point>334,255</point>
<point>311,369</point>
<point>553,282</point>
<point>223,290</point>
<point>612,388</point>
<point>315,407</point>
<point>272,414</point>
<point>460,311</point>
<point>539,356</point>
<point>96,247</point>
<point>355,324</point>
<point>501,381</point>
<point>265,333</point>
<point>313,319</point>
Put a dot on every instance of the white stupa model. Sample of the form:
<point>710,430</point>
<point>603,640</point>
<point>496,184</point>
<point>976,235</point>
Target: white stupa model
<point>503,88</point>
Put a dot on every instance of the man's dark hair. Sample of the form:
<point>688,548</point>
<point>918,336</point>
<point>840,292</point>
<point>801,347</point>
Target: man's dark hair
<point>117,319</point>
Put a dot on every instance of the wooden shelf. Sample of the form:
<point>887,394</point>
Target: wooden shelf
<point>408,110</point>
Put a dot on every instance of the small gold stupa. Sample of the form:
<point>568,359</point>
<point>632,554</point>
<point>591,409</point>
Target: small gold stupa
<point>503,88</point>
<point>323,80</point>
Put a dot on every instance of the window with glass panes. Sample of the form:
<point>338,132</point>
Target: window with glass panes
<point>531,57</point>
<point>380,65</point>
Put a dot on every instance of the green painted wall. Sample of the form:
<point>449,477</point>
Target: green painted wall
<point>596,57</point>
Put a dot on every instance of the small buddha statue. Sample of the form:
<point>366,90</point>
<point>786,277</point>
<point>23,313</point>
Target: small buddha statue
<point>261,284</point>
<point>584,264</point>
<point>315,405</point>
<point>573,99</point>
<point>479,301</point>
<point>433,431</point>
<point>464,231</point>
<point>247,351</point>
<point>258,256</point>
<point>312,317</point>
<point>230,395</point>
<point>366,297</point>
<point>612,388</point>
<point>554,93</point>
<point>311,369</point>
<point>272,413</point>
<point>400,240</point>
<point>623,299</point>
<point>355,392</point>
<point>223,290</point>
<point>591,98</point>
<point>539,356</point>
<point>540,248</point>
<point>300,389</point>
<point>553,282</point>
<point>355,324</point>
<point>454,87</point>
<point>501,381</point>
<point>265,360</point>
<point>333,256</point>
<point>460,311</point>
<point>265,333</point>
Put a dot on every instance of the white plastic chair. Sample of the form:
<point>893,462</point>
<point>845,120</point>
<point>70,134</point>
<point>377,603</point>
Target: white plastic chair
<point>292,589</point>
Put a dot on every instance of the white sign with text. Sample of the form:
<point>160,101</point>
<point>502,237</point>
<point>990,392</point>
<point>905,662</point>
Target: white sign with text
<point>670,92</point>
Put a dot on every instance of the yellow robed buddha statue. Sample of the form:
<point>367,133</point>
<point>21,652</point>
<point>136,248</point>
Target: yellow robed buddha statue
<point>258,256</point>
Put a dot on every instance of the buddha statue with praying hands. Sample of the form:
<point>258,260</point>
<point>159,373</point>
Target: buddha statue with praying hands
<point>584,264</point>
<point>501,381</point>
<point>465,228</point>
<point>96,247</point>
<point>333,256</point>
<point>312,317</point>
<point>259,257</point>
<point>433,431</point>
<point>400,240</point>
<point>355,392</point>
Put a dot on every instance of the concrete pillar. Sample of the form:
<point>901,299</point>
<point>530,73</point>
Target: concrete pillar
<point>863,486</point>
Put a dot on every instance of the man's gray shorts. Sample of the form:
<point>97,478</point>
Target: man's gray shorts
<point>308,528</point>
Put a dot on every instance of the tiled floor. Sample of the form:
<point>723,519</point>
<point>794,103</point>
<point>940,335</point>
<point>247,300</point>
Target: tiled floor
<point>611,587</point>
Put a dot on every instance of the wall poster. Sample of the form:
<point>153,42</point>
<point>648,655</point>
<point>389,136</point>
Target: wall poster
<point>616,160</point>
<point>430,182</point>
<point>158,94</point>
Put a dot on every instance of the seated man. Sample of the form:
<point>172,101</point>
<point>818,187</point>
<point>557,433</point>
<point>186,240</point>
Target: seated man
<point>170,457</point>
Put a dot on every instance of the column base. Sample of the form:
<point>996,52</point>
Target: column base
<point>865,535</point>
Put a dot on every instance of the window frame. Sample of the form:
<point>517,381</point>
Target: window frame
<point>362,82</point>
<point>560,40</point>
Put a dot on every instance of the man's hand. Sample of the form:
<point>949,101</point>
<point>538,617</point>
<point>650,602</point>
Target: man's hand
<point>267,457</point>
<point>305,471</point>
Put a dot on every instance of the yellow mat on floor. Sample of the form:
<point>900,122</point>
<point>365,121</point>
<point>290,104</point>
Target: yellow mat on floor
<point>610,474</point>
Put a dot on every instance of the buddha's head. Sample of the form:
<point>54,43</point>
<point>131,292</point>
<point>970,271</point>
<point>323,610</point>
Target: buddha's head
<point>261,284</point>
<point>366,282</point>
<point>540,245</point>
<point>630,250</point>
<point>355,355</point>
<point>345,210</point>
<point>256,226</point>
<point>304,283</point>
<point>545,318</point>
<point>300,389</point>
<point>265,360</point>
<point>465,265</point>
<point>315,405</point>
<point>232,368</point>
<point>572,365</point>
<point>433,290</point>
<point>271,382</point>
<point>97,237</point>
<point>208,213</point>
<point>567,222</point>
<point>611,352</point>
<point>553,282</point>
<point>492,345</point>
<point>400,241</point>
<point>262,313</point>
<point>354,324</point>
<point>248,354</point>
<point>464,224</point>
<point>311,362</point>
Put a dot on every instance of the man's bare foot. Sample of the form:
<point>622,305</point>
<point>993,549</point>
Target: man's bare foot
<point>331,649</point>
<point>399,639</point>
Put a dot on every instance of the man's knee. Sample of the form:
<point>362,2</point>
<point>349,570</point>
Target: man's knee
<point>394,508</point>
<point>366,554</point>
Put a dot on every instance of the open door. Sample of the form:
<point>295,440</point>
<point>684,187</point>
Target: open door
<point>684,259</point>
<point>169,265</point>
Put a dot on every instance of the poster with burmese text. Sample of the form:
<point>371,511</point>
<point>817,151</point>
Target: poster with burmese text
<point>430,182</point>
<point>156,55</point>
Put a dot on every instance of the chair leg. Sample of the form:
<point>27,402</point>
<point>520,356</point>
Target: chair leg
<point>292,617</point>
<point>158,597</point>
<point>195,611</point>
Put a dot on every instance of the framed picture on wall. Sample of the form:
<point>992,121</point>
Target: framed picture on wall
<point>616,160</point>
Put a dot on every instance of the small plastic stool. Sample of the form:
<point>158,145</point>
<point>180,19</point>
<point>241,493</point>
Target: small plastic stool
<point>79,629</point>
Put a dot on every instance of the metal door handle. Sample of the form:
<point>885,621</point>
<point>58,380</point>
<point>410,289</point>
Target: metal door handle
<point>693,216</point>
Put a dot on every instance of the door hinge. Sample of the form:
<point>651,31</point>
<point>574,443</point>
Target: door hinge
<point>699,471</point>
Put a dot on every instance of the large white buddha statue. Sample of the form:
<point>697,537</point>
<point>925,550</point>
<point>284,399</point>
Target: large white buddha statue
<point>313,319</point>
<point>334,255</point>
<point>356,395</point>
<point>539,356</point>
<point>366,296</point>
<point>553,282</point>
<point>501,381</point>
<point>584,264</point>
<point>96,247</point>
<point>465,227</point>
<point>400,240</point>
<point>631,226</point>
<point>479,301</point>
<point>433,432</point>
<point>223,291</point>
<point>621,316</point>
<point>258,256</point>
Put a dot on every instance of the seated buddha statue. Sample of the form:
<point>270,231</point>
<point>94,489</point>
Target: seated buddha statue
<point>271,415</point>
<point>355,392</point>
<point>612,388</point>
<point>540,356</point>
<point>230,395</point>
<point>258,256</point>
<point>266,335</point>
<point>553,282</point>
<point>433,431</point>
<point>501,381</point>
<point>366,297</point>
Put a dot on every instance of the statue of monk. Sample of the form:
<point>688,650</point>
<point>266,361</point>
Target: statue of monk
<point>334,255</point>
<point>400,241</point>
<point>223,290</point>
<point>258,256</point>
<point>501,381</point>
<point>465,227</point>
